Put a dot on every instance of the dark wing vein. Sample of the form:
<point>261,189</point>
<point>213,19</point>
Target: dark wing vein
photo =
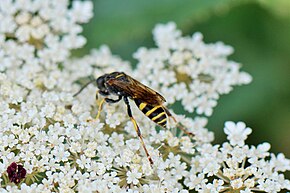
<point>137,90</point>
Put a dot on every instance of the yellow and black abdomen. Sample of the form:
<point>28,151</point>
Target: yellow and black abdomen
<point>155,113</point>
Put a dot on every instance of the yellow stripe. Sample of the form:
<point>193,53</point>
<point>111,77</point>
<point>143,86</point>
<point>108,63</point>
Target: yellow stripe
<point>135,124</point>
<point>142,106</point>
<point>119,75</point>
<point>157,116</point>
<point>152,110</point>
<point>162,121</point>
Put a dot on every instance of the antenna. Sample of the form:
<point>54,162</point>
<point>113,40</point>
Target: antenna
<point>83,87</point>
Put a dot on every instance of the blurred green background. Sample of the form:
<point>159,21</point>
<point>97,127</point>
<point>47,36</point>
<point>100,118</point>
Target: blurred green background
<point>259,31</point>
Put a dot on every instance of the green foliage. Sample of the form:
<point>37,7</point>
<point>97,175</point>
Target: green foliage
<point>258,30</point>
<point>126,25</point>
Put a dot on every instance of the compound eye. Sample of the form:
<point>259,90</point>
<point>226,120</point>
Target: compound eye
<point>101,82</point>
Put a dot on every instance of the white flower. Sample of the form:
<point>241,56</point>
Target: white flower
<point>81,11</point>
<point>126,156</point>
<point>49,131</point>
<point>237,133</point>
<point>187,69</point>
<point>237,183</point>
<point>83,162</point>
<point>165,35</point>
<point>133,176</point>
<point>238,167</point>
<point>38,22</point>
<point>60,153</point>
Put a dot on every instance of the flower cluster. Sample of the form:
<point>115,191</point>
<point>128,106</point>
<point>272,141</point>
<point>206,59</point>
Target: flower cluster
<point>235,166</point>
<point>48,145</point>
<point>47,25</point>
<point>188,70</point>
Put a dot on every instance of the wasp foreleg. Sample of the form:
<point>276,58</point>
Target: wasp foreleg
<point>103,93</point>
<point>112,100</point>
<point>108,101</point>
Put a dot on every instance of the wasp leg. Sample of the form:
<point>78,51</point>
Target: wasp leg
<point>137,130</point>
<point>103,93</point>
<point>112,100</point>
<point>179,125</point>
<point>108,101</point>
<point>100,108</point>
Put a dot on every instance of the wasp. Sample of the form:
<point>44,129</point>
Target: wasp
<point>147,100</point>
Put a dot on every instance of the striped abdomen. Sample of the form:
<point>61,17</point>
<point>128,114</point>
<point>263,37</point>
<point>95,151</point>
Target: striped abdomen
<point>155,113</point>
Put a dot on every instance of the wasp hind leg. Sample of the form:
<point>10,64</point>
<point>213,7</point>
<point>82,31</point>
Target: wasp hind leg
<point>137,129</point>
<point>179,126</point>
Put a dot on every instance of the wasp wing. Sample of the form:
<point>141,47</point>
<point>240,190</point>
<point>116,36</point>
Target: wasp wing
<point>137,90</point>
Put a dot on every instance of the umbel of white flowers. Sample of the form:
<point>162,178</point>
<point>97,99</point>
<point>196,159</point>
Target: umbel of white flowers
<point>47,145</point>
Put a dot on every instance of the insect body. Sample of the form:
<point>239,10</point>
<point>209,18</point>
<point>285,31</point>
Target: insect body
<point>155,113</point>
<point>148,101</point>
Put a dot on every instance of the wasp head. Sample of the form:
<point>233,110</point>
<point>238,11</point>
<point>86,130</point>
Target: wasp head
<point>101,82</point>
<point>105,81</point>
